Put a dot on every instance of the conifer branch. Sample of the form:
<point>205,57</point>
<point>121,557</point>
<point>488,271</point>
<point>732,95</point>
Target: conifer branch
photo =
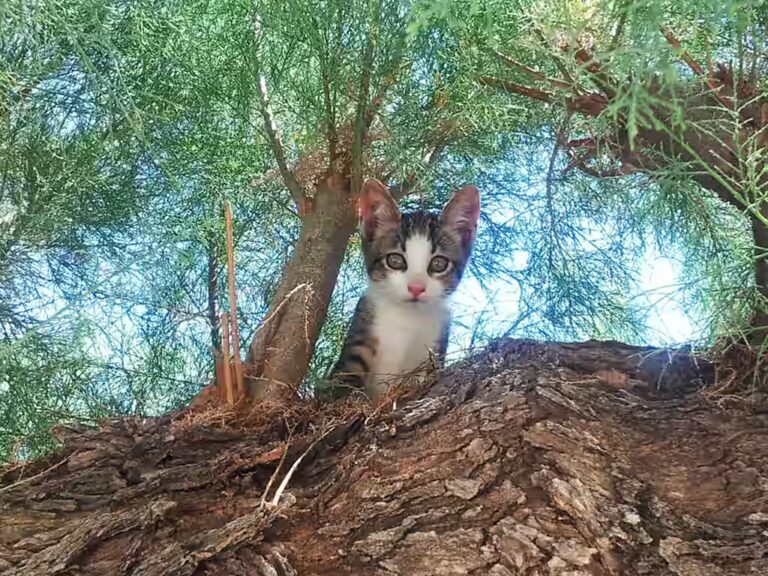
<point>538,75</point>
<point>273,134</point>
<point>695,67</point>
<point>514,88</point>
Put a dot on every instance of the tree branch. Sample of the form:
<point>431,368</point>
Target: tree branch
<point>330,119</point>
<point>714,153</point>
<point>620,26</point>
<point>512,63</point>
<point>608,173</point>
<point>590,147</point>
<point>695,67</point>
<point>560,66</point>
<point>513,88</point>
<point>409,184</point>
<point>591,104</point>
<point>273,134</point>
<point>360,129</point>
<point>277,146</point>
<point>595,69</point>
<point>684,56</point>
<point>390,78</point>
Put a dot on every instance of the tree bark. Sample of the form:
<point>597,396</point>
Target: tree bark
<point>282,348</point>
<point>760,318</point>
<point>528,459</point>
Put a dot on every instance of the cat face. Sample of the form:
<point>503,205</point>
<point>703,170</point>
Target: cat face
<point>416,258</point>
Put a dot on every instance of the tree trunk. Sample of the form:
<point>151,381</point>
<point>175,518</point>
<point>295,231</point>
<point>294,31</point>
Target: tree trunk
<point>760,318</point>
<point>710,146</point>
<point>282,348</point>
<point>528,459</point>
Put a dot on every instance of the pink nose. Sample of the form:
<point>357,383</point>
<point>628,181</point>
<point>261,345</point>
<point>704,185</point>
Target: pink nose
<point>416,290</point>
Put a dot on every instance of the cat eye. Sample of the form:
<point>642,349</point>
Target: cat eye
<point>396,261</point>
<point>438,264</point>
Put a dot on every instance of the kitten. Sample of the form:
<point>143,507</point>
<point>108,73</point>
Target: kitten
<point>414,262</point>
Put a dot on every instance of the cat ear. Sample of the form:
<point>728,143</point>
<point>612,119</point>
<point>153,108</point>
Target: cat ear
<point>378,210</point>
<point>462,212</point>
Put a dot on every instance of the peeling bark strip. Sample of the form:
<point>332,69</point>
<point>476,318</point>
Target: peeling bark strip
<point>529,459</point>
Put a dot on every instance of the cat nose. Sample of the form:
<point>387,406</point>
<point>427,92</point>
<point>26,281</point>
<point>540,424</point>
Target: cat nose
<point>416,290</point>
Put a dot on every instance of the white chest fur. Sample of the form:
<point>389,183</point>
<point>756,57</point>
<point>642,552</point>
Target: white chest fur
<point>407,334</point>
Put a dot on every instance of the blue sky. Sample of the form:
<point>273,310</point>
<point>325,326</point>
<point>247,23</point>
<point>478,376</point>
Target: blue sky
<point>668,323</point>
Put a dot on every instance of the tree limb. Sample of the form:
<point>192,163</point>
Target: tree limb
<point>595,69</point>
<point>330,119</point>
<point>591,104</point>
<point>560,66</point>
<point>589,146</point>
<point>277,146</point>
<point>513,88</point>
<point>684,56</point>
<point>512,63</point>
<point>694,66</point>
<point>620,27</point>
<point>362,122</point>
<point>409,184</point>
<point>270,126</point>
<point>390,77</point>
<point>595,173</point>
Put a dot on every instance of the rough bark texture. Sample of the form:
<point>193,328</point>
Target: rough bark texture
<point>283,346</point>
<point>760,235</point>
<point>529,459</point>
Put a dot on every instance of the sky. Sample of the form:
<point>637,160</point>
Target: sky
<point>668,323</point>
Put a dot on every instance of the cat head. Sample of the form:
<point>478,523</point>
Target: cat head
<point>416,257</point>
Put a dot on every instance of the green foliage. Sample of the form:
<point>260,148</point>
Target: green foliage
<point>648,74</point>
<point>42,382</point>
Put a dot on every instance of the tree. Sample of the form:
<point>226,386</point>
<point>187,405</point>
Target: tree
<point>526,458</point>
<point>159,116</point>
<point>187,88</point>
<point>530,458</point>
<point>633,99</point>
<point>360,90</point>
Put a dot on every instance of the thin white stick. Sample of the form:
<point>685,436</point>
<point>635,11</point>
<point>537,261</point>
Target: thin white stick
<point>293,468</point>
